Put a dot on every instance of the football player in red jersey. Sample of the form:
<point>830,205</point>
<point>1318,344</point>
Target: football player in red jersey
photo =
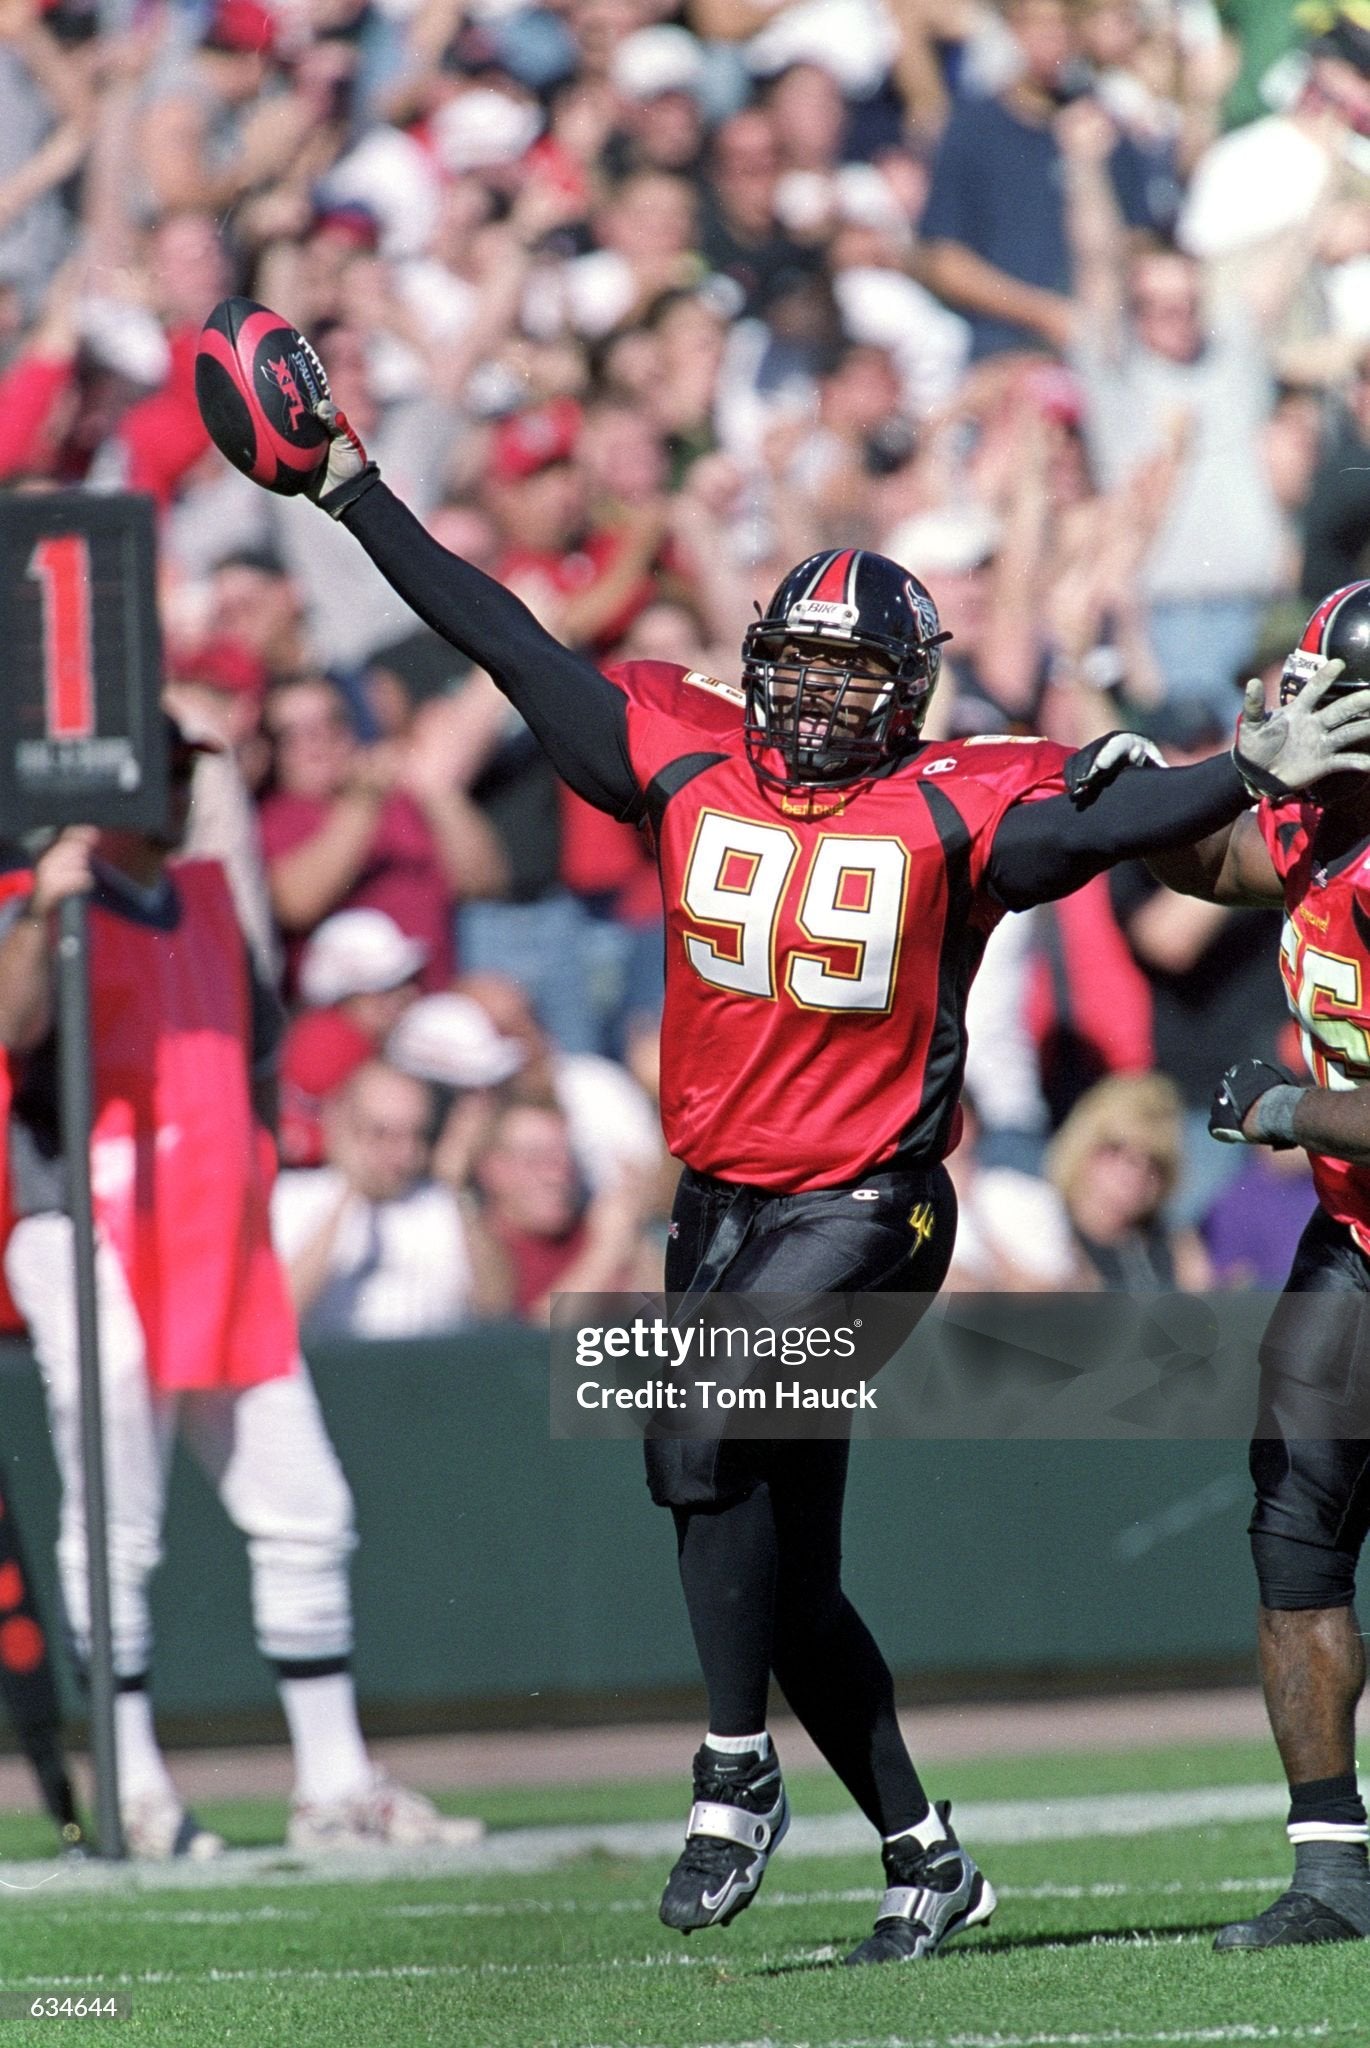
<point>829,885</point>
<point>1310,1458</point>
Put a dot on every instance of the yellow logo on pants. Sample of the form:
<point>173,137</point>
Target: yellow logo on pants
<point>921,1221</point>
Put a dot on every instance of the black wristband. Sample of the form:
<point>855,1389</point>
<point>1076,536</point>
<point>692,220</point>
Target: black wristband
<point>336,501</point>
<point>1260,781</point>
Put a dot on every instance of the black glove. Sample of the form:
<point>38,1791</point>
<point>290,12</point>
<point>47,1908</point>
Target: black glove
<point>1092,768</point>
<point>1239,1087</point>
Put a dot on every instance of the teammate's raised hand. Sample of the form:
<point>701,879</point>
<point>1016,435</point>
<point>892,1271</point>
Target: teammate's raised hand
<point>1313,735</point>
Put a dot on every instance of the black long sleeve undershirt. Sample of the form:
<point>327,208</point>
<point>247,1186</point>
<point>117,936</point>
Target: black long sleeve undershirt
<point>578,716</point>
<point>1044,850</point>
<point>1041,850</point>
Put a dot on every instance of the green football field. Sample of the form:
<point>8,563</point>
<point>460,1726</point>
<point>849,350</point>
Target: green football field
<point>1100,1938</point>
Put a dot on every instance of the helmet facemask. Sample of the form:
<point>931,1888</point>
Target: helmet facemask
<point>835,707</point>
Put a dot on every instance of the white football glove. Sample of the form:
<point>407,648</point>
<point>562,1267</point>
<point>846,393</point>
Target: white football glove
<point>348,471</point>
<point>1313,735</point>
<point>1091,768</point>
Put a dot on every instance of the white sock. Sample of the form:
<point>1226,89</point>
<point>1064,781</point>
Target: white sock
<point>927,1832</point>
<point>331,1762</point>
<point>140,1764</point>
<point>740,1745</point>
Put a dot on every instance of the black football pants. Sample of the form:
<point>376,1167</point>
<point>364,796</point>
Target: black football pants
<point>1310,1459</point>
<point>759,1524</point>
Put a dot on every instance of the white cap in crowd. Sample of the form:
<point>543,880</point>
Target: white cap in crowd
<point>946,542</point>
<point>357,953</point>
<point>659,59</point>
<point>449,1039</point>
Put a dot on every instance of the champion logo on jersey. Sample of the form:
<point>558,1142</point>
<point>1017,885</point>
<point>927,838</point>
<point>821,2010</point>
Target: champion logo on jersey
<point>942,767</point>
<point>865,1194</point>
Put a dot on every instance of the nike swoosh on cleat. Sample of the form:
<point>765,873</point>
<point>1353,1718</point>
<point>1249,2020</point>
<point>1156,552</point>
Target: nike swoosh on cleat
<point>738,1881</point>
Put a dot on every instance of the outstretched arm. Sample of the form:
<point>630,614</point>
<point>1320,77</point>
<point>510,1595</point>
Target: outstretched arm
<point>576,713</point>
<point>1043,850</point>
<point>1046,849</point>
<point>1232,866</point>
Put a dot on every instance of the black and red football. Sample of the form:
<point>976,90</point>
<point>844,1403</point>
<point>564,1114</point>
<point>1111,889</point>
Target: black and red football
<point>257,382</point>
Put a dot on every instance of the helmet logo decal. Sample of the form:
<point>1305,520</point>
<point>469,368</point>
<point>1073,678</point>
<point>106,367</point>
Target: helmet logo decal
<point>824,615</point>
<point>926,610</point>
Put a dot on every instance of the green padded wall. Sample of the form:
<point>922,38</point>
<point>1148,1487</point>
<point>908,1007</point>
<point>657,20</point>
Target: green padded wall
<point>499,1569</point>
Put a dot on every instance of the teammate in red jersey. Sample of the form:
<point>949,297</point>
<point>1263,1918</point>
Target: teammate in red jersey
<point>1310,1459</point>
<point>829,885</point>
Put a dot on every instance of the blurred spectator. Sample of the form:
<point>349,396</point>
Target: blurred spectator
<point>358,972</point>
<point>252,601</point>
<point>555,1240</point>
<point>994,229</point>
<point>1116,1163</point>
<point>1002,1075</point>
<point>1254,1226</point>
<point>538,492</point>
<point>1259,36</point>
<point>448,1042</point>
<point>611,1123</point>
<point>1337,520</point>
<point>978,595</point>
<point>1155,364</point>
<point>647,234</point>
<point>216,690</point>
<point>372,1245</point>
<point>1300,174</point>
<point>211,132</point>
<point>661,75</point>
<point>1213,996</point>
<point>1012,1231</point>
<point>385,826</point>
<point>45,127</point>
<point>742,236</point>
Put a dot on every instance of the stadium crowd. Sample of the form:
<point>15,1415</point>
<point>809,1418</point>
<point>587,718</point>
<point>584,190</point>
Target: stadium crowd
<point>1064,304</point>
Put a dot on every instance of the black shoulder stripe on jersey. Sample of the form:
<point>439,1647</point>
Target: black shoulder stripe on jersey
<point>927,1132</point>
<point>670,780</point>
<point>1361,922</point>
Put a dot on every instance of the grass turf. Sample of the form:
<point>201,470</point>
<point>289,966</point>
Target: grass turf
<point>1096,1942</point>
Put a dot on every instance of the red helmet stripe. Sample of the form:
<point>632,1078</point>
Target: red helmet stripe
<point>833,577</point>
<point>1320,625</point>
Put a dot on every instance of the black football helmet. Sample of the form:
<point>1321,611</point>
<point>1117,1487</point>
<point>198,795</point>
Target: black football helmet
<point>1339,630</point>
<point>839,667</point>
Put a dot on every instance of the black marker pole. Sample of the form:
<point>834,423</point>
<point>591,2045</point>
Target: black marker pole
<point>77,1107</point>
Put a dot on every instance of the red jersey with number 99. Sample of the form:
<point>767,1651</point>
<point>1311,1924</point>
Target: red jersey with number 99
<point>1325,961</point>
<point>820,945</point>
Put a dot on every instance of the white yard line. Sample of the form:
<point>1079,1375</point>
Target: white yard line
<point>532,1850</point>
<point>1170,2038</point>
<point>522,1909</point>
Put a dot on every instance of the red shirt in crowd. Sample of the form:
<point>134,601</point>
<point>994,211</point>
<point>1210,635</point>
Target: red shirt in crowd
<point>401,876</point>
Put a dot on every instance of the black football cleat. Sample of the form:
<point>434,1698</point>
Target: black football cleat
<point>932,1894</point>
<point>1296,1920</point>
<point>739,1817</point>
